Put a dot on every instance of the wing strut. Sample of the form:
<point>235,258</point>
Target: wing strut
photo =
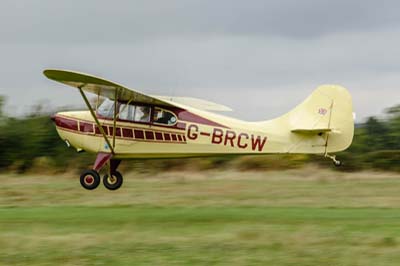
<point>97,121</point>
<point>115,116</point>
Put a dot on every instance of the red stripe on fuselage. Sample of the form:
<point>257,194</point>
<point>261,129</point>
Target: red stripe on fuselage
<point>66,123</point>
<point>190,117</point>
<point>137,134</point>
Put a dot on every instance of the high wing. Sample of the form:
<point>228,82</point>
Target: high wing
<point>106,88</point>
<point>99,86</point>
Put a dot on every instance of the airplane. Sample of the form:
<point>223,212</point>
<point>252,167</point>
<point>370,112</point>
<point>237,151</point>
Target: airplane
<point>131,124</point>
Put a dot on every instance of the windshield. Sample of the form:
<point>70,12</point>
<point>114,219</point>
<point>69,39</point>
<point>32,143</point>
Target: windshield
<point>106,109</point>
<point>162,116</point>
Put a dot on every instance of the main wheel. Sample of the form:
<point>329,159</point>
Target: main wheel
<point>90,179</point>
<point>113,181</point>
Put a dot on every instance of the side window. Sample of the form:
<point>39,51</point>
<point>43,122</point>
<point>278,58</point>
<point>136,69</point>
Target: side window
<point>106,109</point>
<point>125,112</point>
<point>134,113</point>
<point>142,114</point>
<point>162,116</point>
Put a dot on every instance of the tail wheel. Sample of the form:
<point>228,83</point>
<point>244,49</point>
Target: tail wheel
<point>337,163</point>
<point>90,179</point>
<point>113,181</point>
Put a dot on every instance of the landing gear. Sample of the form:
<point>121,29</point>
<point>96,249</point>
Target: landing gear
<point>336,163</point>
<point>90,179</point>
<point>113,181</point>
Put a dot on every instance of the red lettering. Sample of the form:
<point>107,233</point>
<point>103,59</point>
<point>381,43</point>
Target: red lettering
<point>229,136</point>
<point>241,145</point>
<point>217,136</point>
<point>257,143</point>
<point>190,134</point>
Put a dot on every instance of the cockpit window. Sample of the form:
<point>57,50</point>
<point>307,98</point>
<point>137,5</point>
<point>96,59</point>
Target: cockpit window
<point>134,113</point>
<point>162,116</point>
<point>126,112</point>
<point>137,113</point>
<point>142,114</point>
<point>106,109</point>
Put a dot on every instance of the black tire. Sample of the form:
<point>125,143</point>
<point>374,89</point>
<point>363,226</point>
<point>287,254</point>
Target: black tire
<point>90,179</point>
<point>337,163</point>
<point>114,182</point>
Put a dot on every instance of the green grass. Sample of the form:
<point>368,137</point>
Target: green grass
<point>299,217</point>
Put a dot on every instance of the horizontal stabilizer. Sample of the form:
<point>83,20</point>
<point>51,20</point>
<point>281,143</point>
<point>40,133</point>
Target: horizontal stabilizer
<point>311,131</point>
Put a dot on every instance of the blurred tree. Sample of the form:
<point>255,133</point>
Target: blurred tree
<point>359,140</point>
<point>24,141</point>
<point>394,110</point>
<point>2,104</point>
<point>40,108</point>
<point>376,135</point>
<point>394,127</point>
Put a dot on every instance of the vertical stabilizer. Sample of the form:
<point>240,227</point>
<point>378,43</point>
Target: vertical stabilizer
<point>323,122</point>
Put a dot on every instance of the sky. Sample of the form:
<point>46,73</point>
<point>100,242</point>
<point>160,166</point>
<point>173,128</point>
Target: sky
<point>260,58</point>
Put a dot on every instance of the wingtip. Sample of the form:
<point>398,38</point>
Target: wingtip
<point>47,72</point>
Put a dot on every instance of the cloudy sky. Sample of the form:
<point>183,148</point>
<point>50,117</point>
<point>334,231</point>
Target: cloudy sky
<point>259,57</point>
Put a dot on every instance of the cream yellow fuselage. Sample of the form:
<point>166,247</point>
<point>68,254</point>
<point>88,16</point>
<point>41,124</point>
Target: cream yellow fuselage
<point>322,123</point>
<point>138,140</point>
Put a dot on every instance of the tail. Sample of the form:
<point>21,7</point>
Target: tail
<point>323,123</point>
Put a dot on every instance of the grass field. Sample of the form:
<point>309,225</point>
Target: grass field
<point>298,217</point>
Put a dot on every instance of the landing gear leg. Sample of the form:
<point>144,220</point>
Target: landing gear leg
<point>336,163</point>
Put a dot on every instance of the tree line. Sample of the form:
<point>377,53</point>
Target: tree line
<point>31,143</point>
